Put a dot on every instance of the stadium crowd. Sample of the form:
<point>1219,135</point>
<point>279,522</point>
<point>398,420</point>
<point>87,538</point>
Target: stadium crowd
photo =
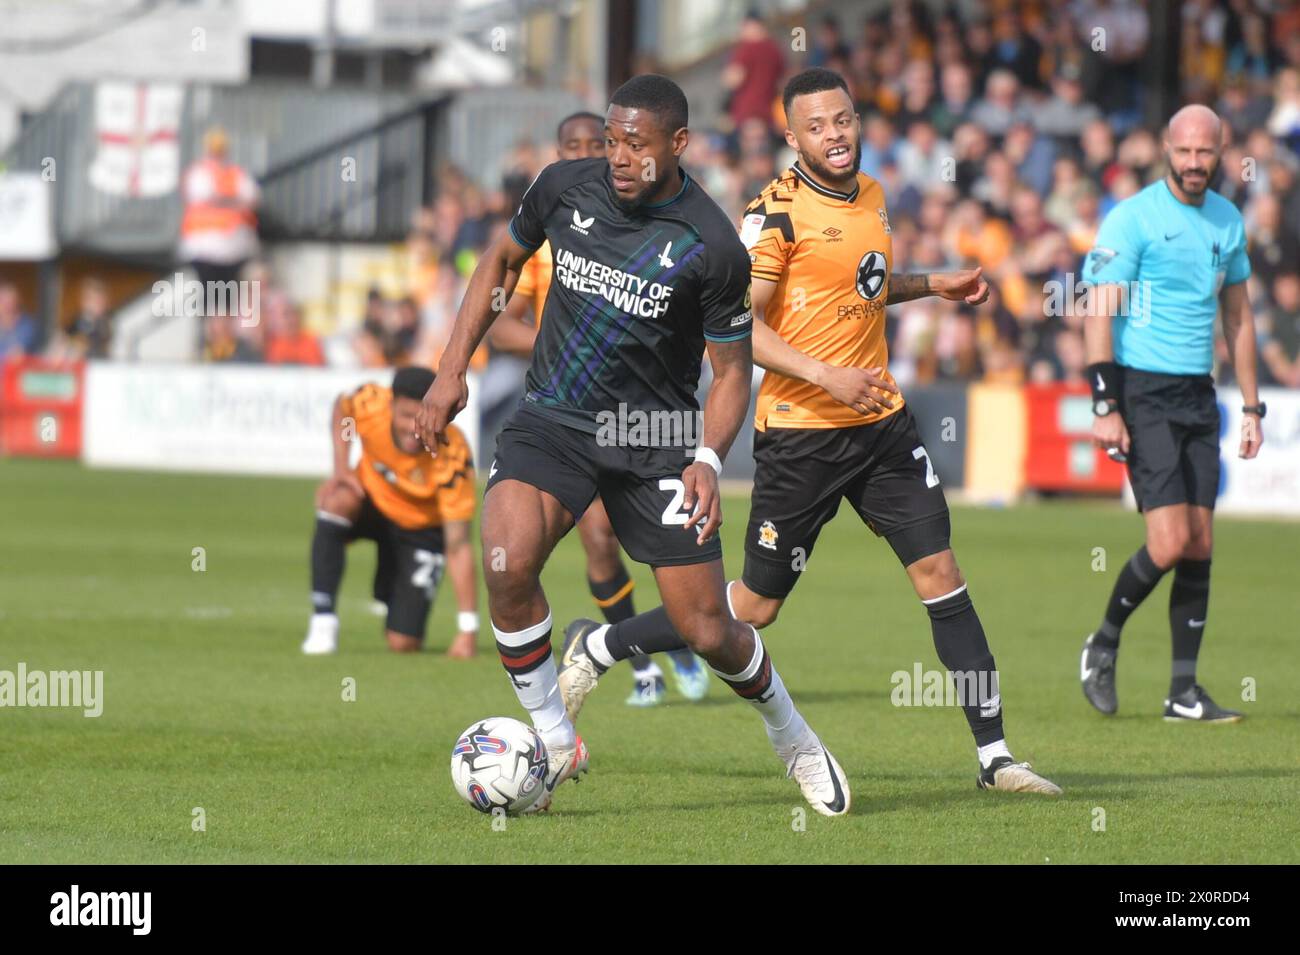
<point>1001,142</point>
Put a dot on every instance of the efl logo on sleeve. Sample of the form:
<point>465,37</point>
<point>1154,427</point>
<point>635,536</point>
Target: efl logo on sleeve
<point>751,228</point>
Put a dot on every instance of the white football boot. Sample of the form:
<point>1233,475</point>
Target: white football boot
<point>824,784</point>
<point>1009,776</point>
<point>322,635</point>
<point>561,764</point>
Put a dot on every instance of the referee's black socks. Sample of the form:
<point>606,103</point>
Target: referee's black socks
<point>1136,581</point>
<point>1189,601</point>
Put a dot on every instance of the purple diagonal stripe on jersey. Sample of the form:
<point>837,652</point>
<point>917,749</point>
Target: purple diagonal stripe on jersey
<point>588,320</point>
<point>589,370</point>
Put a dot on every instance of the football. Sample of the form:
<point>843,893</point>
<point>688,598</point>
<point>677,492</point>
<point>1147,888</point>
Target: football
<point>499,763</point>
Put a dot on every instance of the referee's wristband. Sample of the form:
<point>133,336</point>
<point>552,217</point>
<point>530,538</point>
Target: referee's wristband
<point>709,457</point>
<point>1103,377</point>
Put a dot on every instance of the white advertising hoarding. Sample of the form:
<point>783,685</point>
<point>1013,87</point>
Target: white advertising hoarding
<point>1269,484</point>
<point>236,419</point>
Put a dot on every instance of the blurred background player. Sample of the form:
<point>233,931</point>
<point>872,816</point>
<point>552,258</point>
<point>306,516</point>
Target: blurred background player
<point>1165,262</point>
<point>582,136</point>
<point>415,506</point>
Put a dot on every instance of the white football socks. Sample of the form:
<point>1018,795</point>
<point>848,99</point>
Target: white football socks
<point>538,690</point>
<point>992,751</point>
<point>596,648</point>
<point>785,725</point>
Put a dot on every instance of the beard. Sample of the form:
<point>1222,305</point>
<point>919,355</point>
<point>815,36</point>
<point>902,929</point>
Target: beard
<point>815,165</point>
<point>1209,175</point>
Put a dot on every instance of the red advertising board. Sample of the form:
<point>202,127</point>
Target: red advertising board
<point>1061,455</point>
<point>40,407</point>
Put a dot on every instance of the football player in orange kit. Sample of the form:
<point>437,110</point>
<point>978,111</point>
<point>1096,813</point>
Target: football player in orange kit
<point>582,136</point>
<point>415,506</point>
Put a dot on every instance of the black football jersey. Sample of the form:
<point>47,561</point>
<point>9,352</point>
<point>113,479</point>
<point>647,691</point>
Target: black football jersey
<point>633,295</point>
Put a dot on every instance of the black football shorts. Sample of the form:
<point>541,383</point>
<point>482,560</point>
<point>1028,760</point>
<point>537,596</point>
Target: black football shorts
<point>801,475</point>
<point>1173,424</point>
<point>409,568</point>
<point>641,487</point>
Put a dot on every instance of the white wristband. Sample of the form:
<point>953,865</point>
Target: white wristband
<point>467,621</point>
<point>709,457</point>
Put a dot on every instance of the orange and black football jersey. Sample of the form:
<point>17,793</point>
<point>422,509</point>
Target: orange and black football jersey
<point>535,279</point>
<point>829,254</point>
<point>412,490</point>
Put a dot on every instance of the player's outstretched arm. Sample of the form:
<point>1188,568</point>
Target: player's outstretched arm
<point>724,411</point>
<point>966,285</point>
<point>856,387</point>
<point>1239,335</point>
<point>489,290</point>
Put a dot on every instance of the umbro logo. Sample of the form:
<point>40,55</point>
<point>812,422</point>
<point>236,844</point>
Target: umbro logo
<point>833,234</point>
<point>580,224</point>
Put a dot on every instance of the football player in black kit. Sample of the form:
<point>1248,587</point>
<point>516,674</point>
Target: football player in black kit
<point>649,275</point>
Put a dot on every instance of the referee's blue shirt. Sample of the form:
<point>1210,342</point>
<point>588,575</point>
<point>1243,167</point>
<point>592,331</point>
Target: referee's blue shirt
<point>1179,256</point>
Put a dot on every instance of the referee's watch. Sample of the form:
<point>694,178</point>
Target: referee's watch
<point>1260,409</point>
<point>1103,406</point>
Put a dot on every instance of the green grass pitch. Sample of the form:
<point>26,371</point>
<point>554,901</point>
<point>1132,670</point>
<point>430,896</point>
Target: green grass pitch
<point>209,704</point>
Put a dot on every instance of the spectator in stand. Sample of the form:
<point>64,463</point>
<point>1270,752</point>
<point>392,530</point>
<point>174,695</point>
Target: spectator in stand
<point>1014,50</point>
<point>923,158</point>
<point>828,43</point>
<point>287,342</point>
<point>1065,114</point>
<point>1284,121</point>
<point>956,99</point>
<point>19,333</point>
<point>1125,29</point>
<point>1273,247</point>
<point>368,341</point>
<point>219,224</point>
<point>89,331</point>
<point>224,344</point>
<point>1240,107</point>
<point>752,77</point>
<point>1002,104</point>
<point>1280,349</point>
<point>401,330</point>
<point>1031,154</point>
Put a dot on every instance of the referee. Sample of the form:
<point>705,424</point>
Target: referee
<point>1165,260</point>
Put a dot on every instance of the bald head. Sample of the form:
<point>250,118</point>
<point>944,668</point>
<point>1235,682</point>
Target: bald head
<point>1195,122</point>
<point>1193,143</point>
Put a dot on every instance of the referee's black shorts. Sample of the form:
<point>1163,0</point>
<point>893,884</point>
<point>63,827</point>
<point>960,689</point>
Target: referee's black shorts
<point>1173,425</point>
